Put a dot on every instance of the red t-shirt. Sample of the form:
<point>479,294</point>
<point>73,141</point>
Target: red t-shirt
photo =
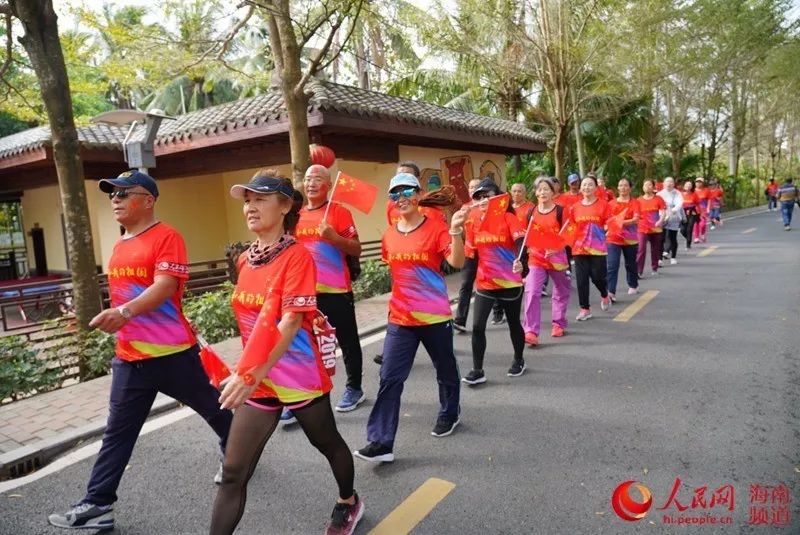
<point>290,281</point>
<point>590,220</point>
<point>605,193</point>
<point>629,234</point>
<point>332,274</point>
<point>716,195</point>
<point>496,253</point>
<point>772,189</point>
<point>690,200</point>
<point>703,196</point>
<point>134,263</point>
<point>522,212</point>
<point>649,214</point>
<point>566,200</point>
<point>537,257</point>
<point>419,291</point>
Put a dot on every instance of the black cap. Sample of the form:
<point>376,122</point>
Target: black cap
<point>130,179</point>
<point>487,184</point>
<point>263,185</point>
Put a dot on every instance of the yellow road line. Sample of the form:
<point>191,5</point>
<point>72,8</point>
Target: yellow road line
<point>636,306</point>
<point>413,509</point>
<point>748,231</point>
<point>706,252</point>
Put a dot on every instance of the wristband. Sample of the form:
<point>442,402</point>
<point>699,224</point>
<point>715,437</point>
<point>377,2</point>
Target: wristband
<point>457,233</point>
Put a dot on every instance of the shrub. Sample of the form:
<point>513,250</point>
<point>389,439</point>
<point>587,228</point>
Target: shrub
<point>23,371</point>
<point>374,280</point>
<point>97,350</point>
<point>212,315</point>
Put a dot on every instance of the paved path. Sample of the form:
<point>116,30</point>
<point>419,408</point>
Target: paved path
<point>700,384</point>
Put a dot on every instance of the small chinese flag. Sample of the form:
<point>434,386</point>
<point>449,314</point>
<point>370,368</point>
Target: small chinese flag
<point>615,223</point>
<point>494,219</point>
<point>569,233</point>
<point>357,193</point>
<point>543,238</point>
<point>263,338</point>
<point>216,368</point>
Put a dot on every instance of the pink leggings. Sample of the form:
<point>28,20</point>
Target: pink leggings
<point>700,228</point>
<point>532,312</point>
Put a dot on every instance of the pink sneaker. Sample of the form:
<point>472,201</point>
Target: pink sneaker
<point>584,314</point>
<point>557,331</point>
<point>345,518</point>
<point>605,303</point>
<point>532,339</point>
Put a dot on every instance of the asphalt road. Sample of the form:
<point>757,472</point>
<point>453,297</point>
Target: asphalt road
<point>701,384</point>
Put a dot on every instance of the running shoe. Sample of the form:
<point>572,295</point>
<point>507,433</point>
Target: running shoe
<point>498,319</point>
<point>287,417</point>
<point>532,339</point>
<point>605,303</point>
<point>351,399</point>
<point>474,377</point>
<point>444,427</point>
<point>375,453</point>
<point>787,227</point>
<point>612,296</point>
<point>378,359</point>
<point>673,261</point>
<point>557,331</point>
<point>665,255</point>
<point>633,291</point>
<point>654,273</point>
<point>517,368</point>
<point>85,515</point>
<point>459,327</point>
<point>345,518</point>
<point>697,240</point>
<point>713,227</point>
<point>584,314</point>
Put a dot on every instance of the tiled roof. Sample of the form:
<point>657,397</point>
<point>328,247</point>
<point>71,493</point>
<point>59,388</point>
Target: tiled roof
<point>268,107</point>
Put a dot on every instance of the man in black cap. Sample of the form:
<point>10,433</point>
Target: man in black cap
<point>156,348</point>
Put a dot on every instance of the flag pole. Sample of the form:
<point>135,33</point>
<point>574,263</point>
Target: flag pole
<point>328,206</point>
<point>525,239</point>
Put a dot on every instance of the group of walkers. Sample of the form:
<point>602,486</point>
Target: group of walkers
<point>297,267</point>
<point>787,195</point>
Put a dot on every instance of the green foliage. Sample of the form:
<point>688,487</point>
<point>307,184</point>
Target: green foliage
<point>212,315</point>
<point>96,351</point>
<point>374,280</point>
<point>23,371</point>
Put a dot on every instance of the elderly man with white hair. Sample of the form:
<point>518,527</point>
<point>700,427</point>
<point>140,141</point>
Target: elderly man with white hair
<point>674,201</point>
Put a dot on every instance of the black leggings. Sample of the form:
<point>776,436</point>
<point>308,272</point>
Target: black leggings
<point>671,242</point>
<point>510,300</point>
<point>594,267</point>
<point>250,432</point>
<point>687,228</point>
<point>341,312</point>
<point>468,274</point>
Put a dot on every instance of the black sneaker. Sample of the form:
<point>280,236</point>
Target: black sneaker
<point>377,359</point>
<point>85,515</point>
<point>444,427</point>
<point>517,369</point>
<point>375,453</point>
<point>498,319</point>
<point>345,518</point>
<point>474,377</point>
<point>459,327</point>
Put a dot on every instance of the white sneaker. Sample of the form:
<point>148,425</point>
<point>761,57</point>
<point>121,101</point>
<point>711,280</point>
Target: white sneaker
<point>633,291</point>
<point>584,315</point>
<point>673,261</point>
<point>654,273</point>
<point>665,255</point>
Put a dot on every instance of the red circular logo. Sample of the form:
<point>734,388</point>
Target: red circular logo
<point>626,507</point>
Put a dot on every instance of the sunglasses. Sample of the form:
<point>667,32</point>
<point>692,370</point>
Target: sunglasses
<point>124,194</point>
<point>395,196</point>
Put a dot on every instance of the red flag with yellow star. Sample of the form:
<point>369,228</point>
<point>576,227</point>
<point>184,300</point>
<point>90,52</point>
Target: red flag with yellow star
<point>357,193</point>
<point>569,233</point>
<point>540,237</point>
<point>494,220</point>
<point>263,338</point>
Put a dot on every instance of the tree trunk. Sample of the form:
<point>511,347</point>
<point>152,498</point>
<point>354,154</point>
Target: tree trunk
<point>579,146</point>
<point>42,44</point>
<point>677,156</point>
<point>559,150</point>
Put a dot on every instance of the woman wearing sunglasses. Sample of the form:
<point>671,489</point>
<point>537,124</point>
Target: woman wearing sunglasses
<point>277,279</point>
<point>419,312</point>
<point>498,279</point>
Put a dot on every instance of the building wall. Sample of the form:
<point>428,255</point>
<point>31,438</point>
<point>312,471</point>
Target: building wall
<point>202,210</point>
<point>43,206</point>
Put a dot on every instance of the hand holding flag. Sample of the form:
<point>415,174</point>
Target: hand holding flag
<point>494,219</point>
<point>569,233</point>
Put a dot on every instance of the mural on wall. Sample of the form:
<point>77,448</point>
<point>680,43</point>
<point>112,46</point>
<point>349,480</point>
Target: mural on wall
<point>492,170</point>
<point>430,179</point>
<point>457,171</point>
